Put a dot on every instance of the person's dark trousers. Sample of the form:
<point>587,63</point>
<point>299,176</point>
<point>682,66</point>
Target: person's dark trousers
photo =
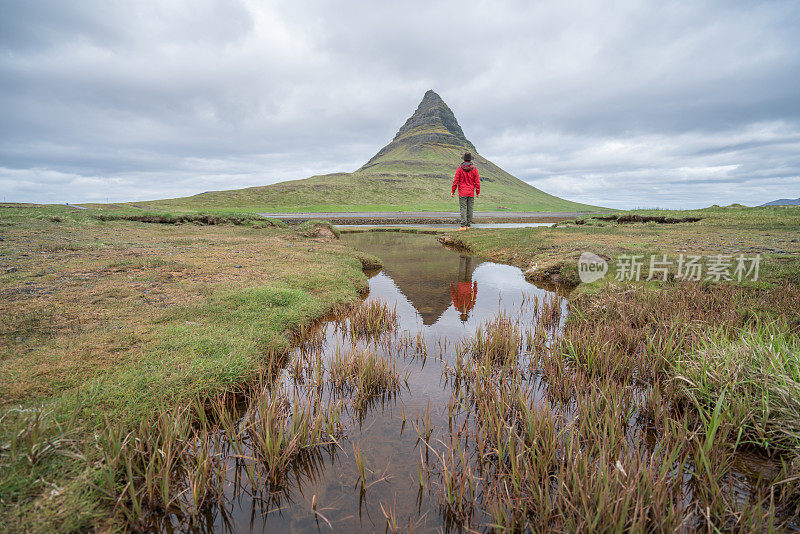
<point>466,204</point>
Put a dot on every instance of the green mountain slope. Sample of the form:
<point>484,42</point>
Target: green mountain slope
<point>414,172</point>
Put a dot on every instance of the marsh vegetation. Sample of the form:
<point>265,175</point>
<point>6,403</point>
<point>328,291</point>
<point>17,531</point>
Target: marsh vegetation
<point>625,407</point>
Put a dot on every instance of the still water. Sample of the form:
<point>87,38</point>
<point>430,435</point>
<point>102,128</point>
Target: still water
<point>441,297</point>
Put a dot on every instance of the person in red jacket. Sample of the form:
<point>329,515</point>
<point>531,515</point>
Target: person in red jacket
<point>468,183</point>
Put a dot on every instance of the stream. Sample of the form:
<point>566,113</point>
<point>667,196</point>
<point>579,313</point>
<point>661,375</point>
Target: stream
<point>408,451</point>
<point>389,459</point>
<point>441,297</point>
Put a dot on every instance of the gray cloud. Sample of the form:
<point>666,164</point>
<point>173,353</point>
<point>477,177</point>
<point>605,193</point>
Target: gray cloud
<point>677,104</point>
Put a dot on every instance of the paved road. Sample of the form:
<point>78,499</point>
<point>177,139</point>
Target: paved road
<point>426,216</point>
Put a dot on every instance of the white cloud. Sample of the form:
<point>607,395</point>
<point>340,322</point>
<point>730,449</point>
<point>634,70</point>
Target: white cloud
<point>690,169</point>
<point>599,103</point>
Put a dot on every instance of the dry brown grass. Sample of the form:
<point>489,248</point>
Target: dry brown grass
<point>766,231</point>
<point>137,316</point>
<point>604,435</point>
<point>84,297</point>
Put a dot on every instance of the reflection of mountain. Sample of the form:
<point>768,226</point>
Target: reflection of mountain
<point>420,267</point>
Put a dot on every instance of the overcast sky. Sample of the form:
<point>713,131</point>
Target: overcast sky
<point>622,103</point>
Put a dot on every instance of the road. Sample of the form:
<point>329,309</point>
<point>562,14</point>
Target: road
<point>369,217</point>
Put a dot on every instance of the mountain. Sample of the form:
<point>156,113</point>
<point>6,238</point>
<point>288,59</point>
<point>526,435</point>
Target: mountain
<point>412,173</point>
<point>784,202</point>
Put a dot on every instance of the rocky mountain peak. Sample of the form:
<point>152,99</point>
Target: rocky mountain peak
<point>432,125</point>
<point>433,115</point>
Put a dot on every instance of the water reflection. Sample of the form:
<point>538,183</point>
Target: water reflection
<point>434,292</point>
<point>417,265</point>
<point>432,279</point>
<point>464,293</point>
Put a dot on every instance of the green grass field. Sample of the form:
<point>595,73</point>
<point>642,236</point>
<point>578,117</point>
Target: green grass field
<point>365,191</point>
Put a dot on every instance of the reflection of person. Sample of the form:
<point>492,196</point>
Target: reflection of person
<point>464,293</point>
<point>468,183</point>
<point>465,268</point>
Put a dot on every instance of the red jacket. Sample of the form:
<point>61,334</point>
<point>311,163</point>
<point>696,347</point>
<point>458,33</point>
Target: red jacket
<point>464,295</point>
<point>467,180</point>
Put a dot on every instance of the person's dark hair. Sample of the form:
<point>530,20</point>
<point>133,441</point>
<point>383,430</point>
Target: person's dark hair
<point>467,156</point>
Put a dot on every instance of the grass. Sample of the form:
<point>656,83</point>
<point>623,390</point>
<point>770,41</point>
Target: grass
<point>754,379</point>
<point>364,373</point>
<point>496,342</point>
<point>123,319</point>
<point>771,232</point>
<point>701,339</point>
<point>372,320</point>
<point>316,228</point>
<point>206,219</point>
<point>177,462</point>
<point>367,191</point>
<point>633,420</point>
<point>715,367</point>
<point>636,414</point>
